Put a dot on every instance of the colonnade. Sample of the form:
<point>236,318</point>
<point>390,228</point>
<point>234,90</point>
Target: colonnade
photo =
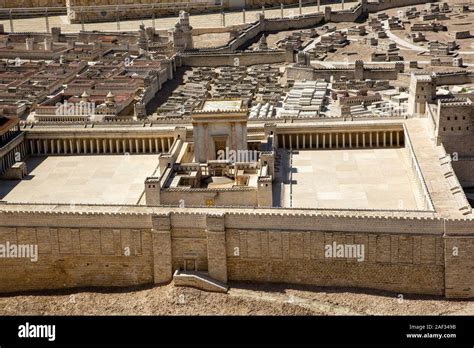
<point>346,139</point>
<point>11,157</point>
<point>99,145</point>
<point>9,135</point>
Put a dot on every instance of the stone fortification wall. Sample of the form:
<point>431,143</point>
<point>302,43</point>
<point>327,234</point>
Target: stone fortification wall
<point>241,58</point>
<point>381,5</point>
<point>106,246</point>
<point>75,251</point>
<point>454,78</point>
<point>31,3</point>
<point>220,197</point>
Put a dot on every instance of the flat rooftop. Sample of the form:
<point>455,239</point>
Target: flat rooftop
<point>349,179</point>
<point>108,179</point>
<point>222,105</point>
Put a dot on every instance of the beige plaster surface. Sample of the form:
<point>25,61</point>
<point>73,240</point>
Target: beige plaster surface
<point>111,179</point>
<point>352,179</point>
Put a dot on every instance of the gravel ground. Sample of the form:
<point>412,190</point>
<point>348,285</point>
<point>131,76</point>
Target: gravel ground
<point>242,299</point>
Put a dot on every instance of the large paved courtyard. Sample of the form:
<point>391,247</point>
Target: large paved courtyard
<point>82,179</point>
<point>349,179</point>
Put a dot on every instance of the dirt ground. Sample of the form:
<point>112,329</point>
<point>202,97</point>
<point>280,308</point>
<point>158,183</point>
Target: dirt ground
<point>242,299</point>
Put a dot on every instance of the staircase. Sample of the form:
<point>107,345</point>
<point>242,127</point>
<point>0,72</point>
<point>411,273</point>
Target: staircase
<point>199,280</point>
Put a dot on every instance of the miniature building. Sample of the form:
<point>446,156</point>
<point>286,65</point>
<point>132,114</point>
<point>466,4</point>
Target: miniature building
<point>219,125</point>
<point>433,26</point>
<point>218,169</point>
<point>466,34</point>
<point>422,91</point>
<point>181,35</point>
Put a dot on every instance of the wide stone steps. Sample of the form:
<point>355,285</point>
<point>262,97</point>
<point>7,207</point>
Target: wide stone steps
<point>199,280</point>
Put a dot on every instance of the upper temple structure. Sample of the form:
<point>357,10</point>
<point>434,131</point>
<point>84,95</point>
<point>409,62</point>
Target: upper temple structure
<point>143,144</point>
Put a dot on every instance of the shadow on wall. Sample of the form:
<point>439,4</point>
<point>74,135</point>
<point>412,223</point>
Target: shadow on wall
<point>166,90</point>
<point>6,186</point>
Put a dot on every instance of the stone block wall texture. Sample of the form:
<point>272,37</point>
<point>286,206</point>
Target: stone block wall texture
<point>161,244</point>
<point>31,3</point>
<point>120,249</point>
<point>406,264</point>
<point>233,197</point>
<point>406,255</point>
<point>464,170</point>
<point>77,257</point>
<point>459,275</point>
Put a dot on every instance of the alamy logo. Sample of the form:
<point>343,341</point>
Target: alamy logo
<point>75,109</point>
<point>28,251</point>
<point>234,156</point>
<point>347,251</point>
<point>37,331</point>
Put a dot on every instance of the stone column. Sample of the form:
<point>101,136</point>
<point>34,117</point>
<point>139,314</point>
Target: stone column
<point>310,140</point>
<point>304,141</point>
<point>161,239</point>
<point>153,15</point>
<point>297,141</point>
<point>81,14</point>
<point>46,18</point>
<point>317,141</point>
<point>216,247</point>
<point>117,17</point>
<point>330,140</point>
<point>281,10</point>
<point>243,15</point>
<point>233,137</point>
<point>324,140</point>
<point>283,136</point>
<point>11,21</point>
